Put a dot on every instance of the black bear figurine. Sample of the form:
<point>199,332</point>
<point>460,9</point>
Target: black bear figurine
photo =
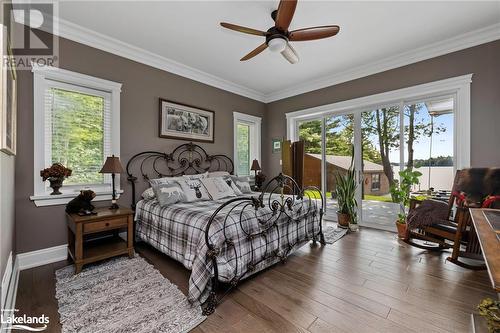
<point>81,203</point>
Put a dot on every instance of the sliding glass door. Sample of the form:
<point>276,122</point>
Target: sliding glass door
<point>378,143</point>
<point>381,159</point>
<point>428,144</point>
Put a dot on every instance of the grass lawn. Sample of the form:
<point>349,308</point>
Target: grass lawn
<point>383,198</point>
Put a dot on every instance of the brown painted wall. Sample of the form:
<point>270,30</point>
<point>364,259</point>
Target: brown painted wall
<point>42,227</point>
<point>482,60</point>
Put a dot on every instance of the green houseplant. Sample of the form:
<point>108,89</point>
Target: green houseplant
<point>400,192</point>
<point>346,198</point>
<point>490,310</point>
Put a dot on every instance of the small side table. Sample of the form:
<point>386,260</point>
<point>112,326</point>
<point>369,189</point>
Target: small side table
<point>84,252</point>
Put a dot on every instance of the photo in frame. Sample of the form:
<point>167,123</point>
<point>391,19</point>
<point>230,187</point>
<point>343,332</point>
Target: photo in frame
<point>8,84</point>
<point>276,145</point>
<point>184,122</point>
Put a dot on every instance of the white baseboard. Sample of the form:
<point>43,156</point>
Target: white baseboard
<point>7,275</point>
<point>42,257</point>
<point>11,292</point>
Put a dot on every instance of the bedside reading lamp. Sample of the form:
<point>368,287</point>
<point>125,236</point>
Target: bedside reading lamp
<point>112,166</point>
<point>259,178</point>
<point>255,167</point>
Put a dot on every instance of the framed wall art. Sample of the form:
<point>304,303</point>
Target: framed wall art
<point>184,122</point>
<point>276,145</point>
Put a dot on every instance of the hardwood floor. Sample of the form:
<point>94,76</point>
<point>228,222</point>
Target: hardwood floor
<point>366,282</point>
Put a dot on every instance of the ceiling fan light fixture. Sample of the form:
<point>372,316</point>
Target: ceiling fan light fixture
<point>290,55</point>
<point>277,44</point>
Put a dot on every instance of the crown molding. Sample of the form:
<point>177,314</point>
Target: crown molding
<point>97,40</point>
<point>460,42</point>
<point>100,41</point>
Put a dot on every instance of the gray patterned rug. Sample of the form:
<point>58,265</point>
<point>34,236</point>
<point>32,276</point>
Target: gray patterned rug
<point>333,234</point>
<point>122,295</point>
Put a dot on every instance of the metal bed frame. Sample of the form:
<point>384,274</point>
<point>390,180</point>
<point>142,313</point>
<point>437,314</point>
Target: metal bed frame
<point>277,202</point>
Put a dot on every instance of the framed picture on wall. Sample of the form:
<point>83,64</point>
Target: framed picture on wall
<point>276,145</point>
<point>8,84</point>
<point>184,122</point>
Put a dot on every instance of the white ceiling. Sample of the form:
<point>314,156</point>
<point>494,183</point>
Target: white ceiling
<point>188,32</point>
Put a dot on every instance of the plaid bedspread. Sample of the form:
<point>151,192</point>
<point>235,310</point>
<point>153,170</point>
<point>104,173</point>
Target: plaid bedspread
<point>179,231</point>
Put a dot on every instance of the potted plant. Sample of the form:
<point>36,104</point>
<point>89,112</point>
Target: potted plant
<point>400,192</point>
<point>55,175</point>
<point>345,192</point>
<point>490,310</point>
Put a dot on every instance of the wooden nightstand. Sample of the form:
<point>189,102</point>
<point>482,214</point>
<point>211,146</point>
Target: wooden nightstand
<point>84,251</point>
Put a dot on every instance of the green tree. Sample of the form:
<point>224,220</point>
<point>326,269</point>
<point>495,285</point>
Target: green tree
<point>77,134</point>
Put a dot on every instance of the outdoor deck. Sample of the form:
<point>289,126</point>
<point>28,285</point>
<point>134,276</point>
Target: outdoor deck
<point>375,214</point>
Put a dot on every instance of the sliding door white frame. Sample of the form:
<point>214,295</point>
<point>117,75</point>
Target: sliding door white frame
<point>459,87</point>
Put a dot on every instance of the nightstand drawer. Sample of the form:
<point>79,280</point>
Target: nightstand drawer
<point>91,227</point>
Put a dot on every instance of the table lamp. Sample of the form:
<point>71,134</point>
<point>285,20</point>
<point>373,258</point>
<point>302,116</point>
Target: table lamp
<point>112,166</point>
<point>255,166</point>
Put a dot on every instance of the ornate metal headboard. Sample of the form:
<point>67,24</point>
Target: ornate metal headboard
<point>188,158</point>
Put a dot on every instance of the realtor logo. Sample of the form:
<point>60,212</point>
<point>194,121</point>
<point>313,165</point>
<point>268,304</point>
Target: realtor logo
<point>9,321</point>
<point>32,34</point>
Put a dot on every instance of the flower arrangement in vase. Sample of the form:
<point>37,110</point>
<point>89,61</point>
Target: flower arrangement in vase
<point>55,175</point>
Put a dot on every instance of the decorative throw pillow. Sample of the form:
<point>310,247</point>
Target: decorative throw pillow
<point>148,194</point>
<point>214,174</point>
<point>229,181</point>
<point>243,183</point>
<point>196,176</point>
<point>194,190</point>
<point>168,193</point>
<point>218,188</point>
<point>163,180</point>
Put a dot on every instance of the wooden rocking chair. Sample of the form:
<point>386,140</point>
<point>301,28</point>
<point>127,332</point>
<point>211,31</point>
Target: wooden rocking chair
<point>457,232</point>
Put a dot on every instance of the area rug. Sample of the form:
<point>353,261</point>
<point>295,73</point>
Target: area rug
<point>333,234</point>
<point>122,295</point>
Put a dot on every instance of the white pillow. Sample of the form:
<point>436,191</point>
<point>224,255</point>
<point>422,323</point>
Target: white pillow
<point>229,181</point>
<point>218,188</point>
<point>196,176</point>
<point>243,183</point>
<point>214,174</point>
<point>193,190</point>
<point>148,194</point>
<point>168,193</point>
<point>163,180</point>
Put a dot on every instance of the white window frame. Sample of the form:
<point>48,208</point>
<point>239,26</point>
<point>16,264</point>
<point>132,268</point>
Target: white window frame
<point>255,137</point>
<point>458,87</point>
<point>66,78</point>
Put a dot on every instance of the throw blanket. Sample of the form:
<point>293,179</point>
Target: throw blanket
<point>429,212</point>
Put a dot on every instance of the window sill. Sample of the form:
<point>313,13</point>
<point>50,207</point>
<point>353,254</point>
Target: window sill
<point>62,199</point>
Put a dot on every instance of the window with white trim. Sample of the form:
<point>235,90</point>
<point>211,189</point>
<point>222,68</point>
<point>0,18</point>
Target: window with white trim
<point>77,119</point>
<point>247,142</point>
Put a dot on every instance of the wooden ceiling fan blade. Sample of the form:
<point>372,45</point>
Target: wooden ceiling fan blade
<point>290,54</point>
<point>284,15</point>
<point>242,29</point>
<point>313,33</point>
<point>254,52</point>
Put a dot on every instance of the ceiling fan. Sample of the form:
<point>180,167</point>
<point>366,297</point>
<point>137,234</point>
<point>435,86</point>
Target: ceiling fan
<point>278,36</point>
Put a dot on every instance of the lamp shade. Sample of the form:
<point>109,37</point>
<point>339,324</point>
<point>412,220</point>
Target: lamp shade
<point>112,165</point>
<point>255,165</point>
